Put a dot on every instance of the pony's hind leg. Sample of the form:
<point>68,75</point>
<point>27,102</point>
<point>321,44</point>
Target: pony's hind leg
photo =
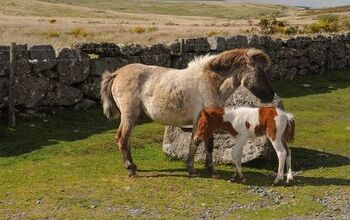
<point>209,164</point>
<point>288,163</point>
<point>281,154</point>
<point>123,141</point>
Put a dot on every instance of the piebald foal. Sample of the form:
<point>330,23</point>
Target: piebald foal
<point>246,122</point>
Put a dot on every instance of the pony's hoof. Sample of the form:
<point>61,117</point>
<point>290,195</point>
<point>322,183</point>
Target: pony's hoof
<point>215,175</point>
<point>193,173</point>
<point>237,179</point>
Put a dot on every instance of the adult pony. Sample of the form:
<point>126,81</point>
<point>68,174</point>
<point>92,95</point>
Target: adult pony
<point>176,97</point>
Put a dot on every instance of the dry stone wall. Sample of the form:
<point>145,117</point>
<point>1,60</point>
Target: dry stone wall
<point>49,80</point>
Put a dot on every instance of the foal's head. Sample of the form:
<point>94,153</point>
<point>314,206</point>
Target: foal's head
<point>209,120</point>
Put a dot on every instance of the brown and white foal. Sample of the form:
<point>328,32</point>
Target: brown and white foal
<point>246,122</point>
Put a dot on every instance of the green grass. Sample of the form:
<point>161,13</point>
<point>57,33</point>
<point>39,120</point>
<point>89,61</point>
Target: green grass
<point>67,166</point>
<point>78,8</point>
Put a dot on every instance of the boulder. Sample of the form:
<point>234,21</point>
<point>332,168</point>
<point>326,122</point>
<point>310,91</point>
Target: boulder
<point>176,142</point>
<point>73,66</point>
<point>84,104</point>
<point>43,57</point>
<point>91,87</point>
<point>32,91</point>
<point>110,64</point>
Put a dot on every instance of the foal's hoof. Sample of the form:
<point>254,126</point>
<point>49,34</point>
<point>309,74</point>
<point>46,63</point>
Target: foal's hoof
<point>132,173</point>
<point>277,183</point>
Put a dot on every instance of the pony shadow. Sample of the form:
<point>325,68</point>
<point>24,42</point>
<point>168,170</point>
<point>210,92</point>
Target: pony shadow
<point>35,133</point>
<point>312,84</point>
<point>303,159</point>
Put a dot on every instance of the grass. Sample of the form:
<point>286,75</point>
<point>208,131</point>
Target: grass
<point>67,166</point>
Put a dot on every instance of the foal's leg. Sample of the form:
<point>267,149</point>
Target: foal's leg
<point>123,141</point>
<point>190,159</point>
<point>288,163</point>
<point>209,164</point>
<point>237,152</point>
<point>281,154</point>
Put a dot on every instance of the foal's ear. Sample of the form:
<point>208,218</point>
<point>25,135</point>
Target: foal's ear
<point>205,113</point>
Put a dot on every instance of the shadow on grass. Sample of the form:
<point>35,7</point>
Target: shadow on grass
<point>35,133</point>
<point>314,84</point>
<point>302,159</point>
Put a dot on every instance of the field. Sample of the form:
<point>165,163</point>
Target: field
<point>67,167</point>
<point>66,22</point>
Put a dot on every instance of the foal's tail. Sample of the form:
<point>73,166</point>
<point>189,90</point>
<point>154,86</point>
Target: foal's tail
<point>288,134</point>
<point>110,108</point>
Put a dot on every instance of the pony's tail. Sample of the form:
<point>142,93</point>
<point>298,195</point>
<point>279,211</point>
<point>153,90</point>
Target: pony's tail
<point>110,108</point>
<point>289,132</point>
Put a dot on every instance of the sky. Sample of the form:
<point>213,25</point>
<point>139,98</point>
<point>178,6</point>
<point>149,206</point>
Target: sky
<point>307,3</point>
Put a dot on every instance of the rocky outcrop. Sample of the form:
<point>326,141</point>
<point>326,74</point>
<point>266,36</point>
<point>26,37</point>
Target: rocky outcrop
<point>176,141</point>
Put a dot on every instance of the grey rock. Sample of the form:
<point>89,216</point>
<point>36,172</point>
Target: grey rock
<point>237,41</point>
<point>176,47</point>
<point>110,64</point>
<point>217,44</point>
<point>73,66</point>
<point>131,50</point>
<point>176,142</point>
<point>157,54</point>
<point>31,92</point>
<point>199,45</point>
<point>50,74</point>
<point>91,87</point>
<point>4,91</point>
<point>84,104</point>
<point>101,49</point>
<point>4,60</point>
<point>44,57</point>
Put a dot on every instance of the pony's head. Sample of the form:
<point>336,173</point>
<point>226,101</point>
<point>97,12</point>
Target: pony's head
<point>247,67</point>
<point>208,121</point>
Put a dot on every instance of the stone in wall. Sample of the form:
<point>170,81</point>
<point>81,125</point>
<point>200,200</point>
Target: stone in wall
<point>176,142</point>
<point>157,54</point>
<point>32,91</point>
<point>101,49</point>
<point>84,104</point>
<point>199,45</point>
<point>237,41</point>
<point>73,66</point>
<point>217,44</point>
<point>91,87</point>
<point>4,60</point>
<point>110,64</point>
<point>43,57</point>
<point>4,91</point>
<point>131,50</point>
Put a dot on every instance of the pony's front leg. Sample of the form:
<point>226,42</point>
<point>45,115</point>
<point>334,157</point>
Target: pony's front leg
<point>237,152</point>
<point>209,163</point>
<point>191,154</point>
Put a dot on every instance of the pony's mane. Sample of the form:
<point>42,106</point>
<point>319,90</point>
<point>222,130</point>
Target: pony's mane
<point>199,62</point>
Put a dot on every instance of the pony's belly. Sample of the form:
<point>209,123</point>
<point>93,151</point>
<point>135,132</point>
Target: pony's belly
<point>173,118</point>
